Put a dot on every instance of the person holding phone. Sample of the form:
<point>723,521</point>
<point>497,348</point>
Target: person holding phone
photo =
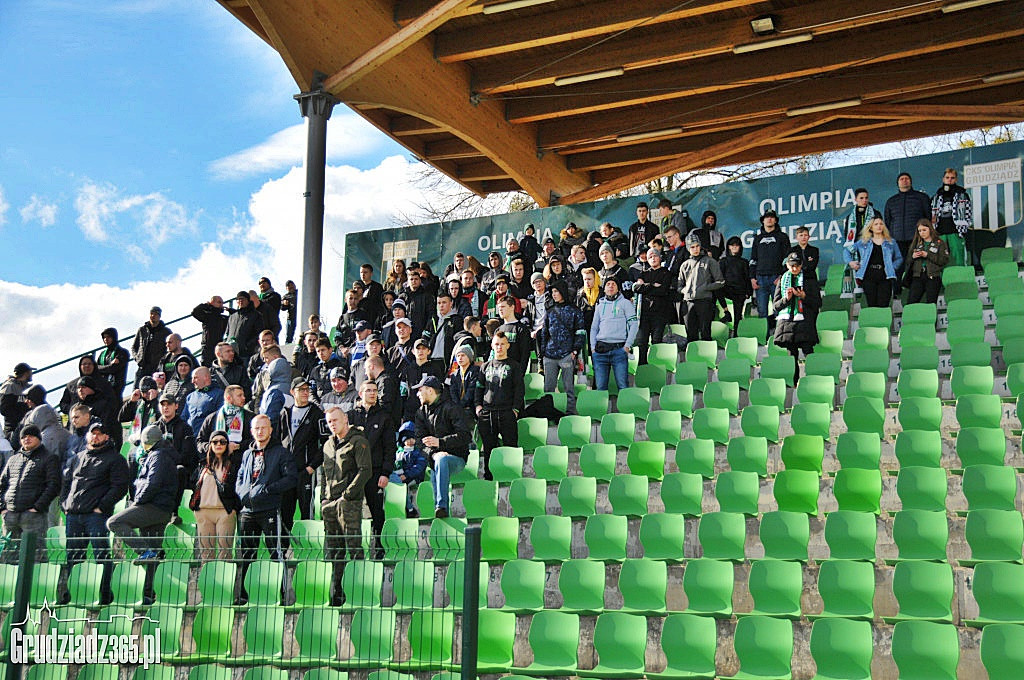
<point>928,256</point>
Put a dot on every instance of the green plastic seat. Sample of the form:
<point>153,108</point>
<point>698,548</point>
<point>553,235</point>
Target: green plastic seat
<point>862,414</point>
<point>647,458</point>
<point>533,432</point>
<point>447,538</point>
<point>871,361</point>
<point>551,538</point>
<point>870,385</point>
<point>694,374</point>
<point>582,584</point>
<point>171,583</point>
<point>966,309</point>
<point>534,384</point>
<point>44,583</point>
<point>665,427</point>
<point>308,537</point>
<point>851,535</point>
<point>723,395</point>
<point>970,354</point>
<point>803,452</point>
<point>598,461</point>
<point>764,646</point>
<point>921,535</point>
<point>217,583</point>
<point>573,432</point>
<point>833,321</point>
<point>712,424</point>
<point>361,583</point>
<point>760,421</point>
<point>847,589</point>
<point>264,637</point>
<point>994,536</point>
<point>753,327</point>
<point>748,454</point>
<point>577,496</point>
<point>1005,286</point>
<point>628,495</point>
<point>913,335</point>
<point>1015,379</point>
<point>592,403</point>
<point>522,585</point>
<point>990,487</point>
<point>499,539</point>
<point>996,254</point>
<point>45,671</point>
<point>705,351</point>
<point>84,584</point>
<point>768,392</point>
<point>965,330</point>
<point>785,535</point>
<point>981,446</point>
<point>775,586</point>
<point>735,370</point>
<point>620,640</point>
<point>875,317</point>
<point>311,582</point>
<point>634,400</point>
<point>979,410</point>
<point>778,367</point>
<point>682,493</point>
<point>394,499</point>
<point>528,497</point>
<point>650,377</point>
<point>689,643</point>
<point>920,312</point>
<point>921,357</point>
<point>93,672</point>
<point>165,618</point>
<point>1010,329</point>
<point>643,584</point>
<point>920,413</point>
<point>998,588</point>
<point>1002,649</point>
<point>812,419</point>
<point>618,429</point>
<point>924,650</point>
<point>263,583</point>
<point>605,536</point>
<point>471,471</point>
<point>661,535</point>
<point>722,535</point>
<point>506,463</point>
<point>495,641</point>
<point>824,364</point>
<point>870,338</point>
<point>859,450</point>
<point>917,382</point>
<point>1005,306</point>
<point>664,355</point>
<point>737,491</point>
<point>830,342</point>
<point>741,348</point>
<point>677,397</point>
<point>842,648</point>
<point>922,488</point>
<point>708,585</point>
<point>920,448</point>
<point>373,634</point>
<point>797,491</point>
<point>211,632</point>
<point>480,497</point>
<point>924,591</point>
<point>776,351</point>
<point>859,490</point>
<point>817,389</point>
<point>551,462</point>
<point>554,638</point>
<point>696,456</point>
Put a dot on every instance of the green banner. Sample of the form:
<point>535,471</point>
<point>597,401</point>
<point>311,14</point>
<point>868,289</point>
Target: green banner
<point>818,200</point>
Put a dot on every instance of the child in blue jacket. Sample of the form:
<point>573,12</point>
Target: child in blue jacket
<point>410,467</point>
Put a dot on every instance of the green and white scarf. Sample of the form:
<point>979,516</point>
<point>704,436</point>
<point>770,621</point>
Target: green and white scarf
<point>229,419</point>
<point>794,309</point>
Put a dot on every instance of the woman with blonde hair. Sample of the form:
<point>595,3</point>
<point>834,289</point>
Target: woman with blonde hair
<point>588,295</point>
<point>878,258</point>
<point>396,277</point>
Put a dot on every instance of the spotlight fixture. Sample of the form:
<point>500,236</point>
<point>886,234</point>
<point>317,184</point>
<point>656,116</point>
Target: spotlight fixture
<point>966,4</point>
<point>763,25</point>
<point>587,77</point>
<point>804,110</point>
<point>637,136</point>
<point>511,5</point>
<point>776,42</point>
<point>999,77</point>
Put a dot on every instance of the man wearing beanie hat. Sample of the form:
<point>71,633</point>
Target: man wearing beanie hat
<point>343,391</point>
<point>153,502</point>
<point>537,306</point>
<point>45,417</point>
<point>112,362</point>
<point>148,345</point>
<point>699,278</point>
<point>462,381</point>
<point>28,484</point>
<point>613,270</point>
<point>12,397</point>
<point>214,320</point>
<point>562,339</point>
<point>655,288</point>
<point>243,329</point>
<point>494,270</point>
<point>388,335</point>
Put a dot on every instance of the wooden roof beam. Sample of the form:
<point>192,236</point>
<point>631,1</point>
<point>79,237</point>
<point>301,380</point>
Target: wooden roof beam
<point>395,44</point>
<point>479,171</point>
<point>1006,114</point>
<point>409,10</point>
<point>410,126</point>
<point>447,149</point>
<point>597,18</point>
<point>653,151</point>
<point>653,46</point>
<point>795,61</point>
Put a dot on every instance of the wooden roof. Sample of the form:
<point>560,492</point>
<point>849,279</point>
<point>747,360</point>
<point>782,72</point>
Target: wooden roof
<point>476,87</point>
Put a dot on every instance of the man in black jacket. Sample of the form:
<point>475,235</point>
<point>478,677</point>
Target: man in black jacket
<point>380,429</point>
<point>95,480</point>
<point>441,330</point>
<point>112,362</point>
<point>901,213</point>
<point>517,331</point>
<point>419,305</point>
<point>28,484</point>
<point>268,304</point>
<point>232,417</point>
<point>442,429</point>
<point>244,326</point>
<point>303,432</point>
<point>770,247</point>
<point>183,441</point>
<point>211,315</point>
<point>373,297</point>
<point>500,392</point>
<point>389,387</point>
<point>148,346</point>
<point>267,472</point>
<point>419,365</point>
<point>642,231</point>
<point>227,371</point>
<point>654,288</point>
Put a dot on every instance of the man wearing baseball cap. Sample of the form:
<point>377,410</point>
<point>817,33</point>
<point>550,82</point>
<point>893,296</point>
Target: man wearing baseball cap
<point>343,391</point>
<point>362,331</point>
<point>303,432</point>
<point>442,429</point>
<point>416,366</point>
<point>243,329</point>
<point>12,400</point>
<point>28,484</point>
<point>402,351</point>
<point>183,442</point>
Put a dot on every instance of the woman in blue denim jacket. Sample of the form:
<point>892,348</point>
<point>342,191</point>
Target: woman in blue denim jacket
<point>874,259</point>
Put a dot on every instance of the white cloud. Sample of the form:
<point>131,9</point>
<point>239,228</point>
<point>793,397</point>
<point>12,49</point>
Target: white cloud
<point>107,214</point>
<point>348,137</point>
<point>39,210</point>
<point>4,206</point>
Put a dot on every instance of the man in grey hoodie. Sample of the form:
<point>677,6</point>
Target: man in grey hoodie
<point>612,336</point>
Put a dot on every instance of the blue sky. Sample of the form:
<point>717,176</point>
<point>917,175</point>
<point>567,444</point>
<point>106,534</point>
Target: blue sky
<point>115,115</point>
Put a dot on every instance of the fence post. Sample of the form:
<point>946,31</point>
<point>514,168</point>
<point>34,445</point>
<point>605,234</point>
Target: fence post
<point>471,603</point>
<point>22,594</point>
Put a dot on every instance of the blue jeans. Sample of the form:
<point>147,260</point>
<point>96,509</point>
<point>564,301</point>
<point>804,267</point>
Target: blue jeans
<point>765,290</point>
<point>617,360</point>
<point>444,470</point>
<point>82,530</point>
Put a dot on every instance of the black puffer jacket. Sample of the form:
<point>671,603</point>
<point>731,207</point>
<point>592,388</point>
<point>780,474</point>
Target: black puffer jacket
<point>96,478</point>
<point>379,430</point>
<point>243,329</point>
<point>446,421</point>
<point>157,481</point>
<point>31,479</point>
